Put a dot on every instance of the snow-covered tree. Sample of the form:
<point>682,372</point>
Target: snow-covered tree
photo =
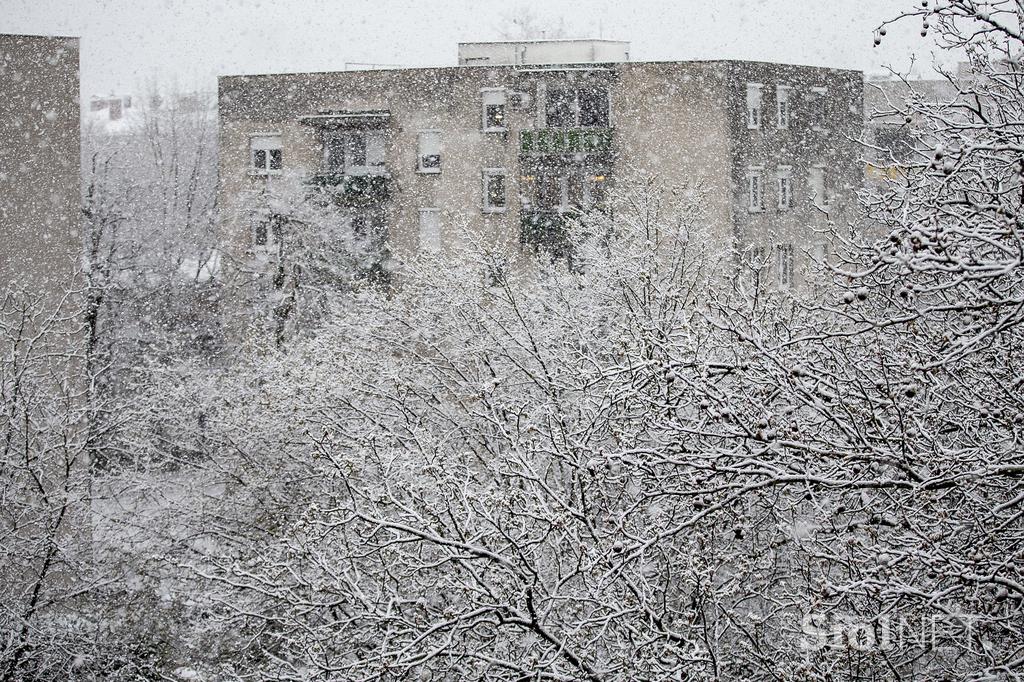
<point>317,243</point>
<point>150,245</point>
<point>631,471</point>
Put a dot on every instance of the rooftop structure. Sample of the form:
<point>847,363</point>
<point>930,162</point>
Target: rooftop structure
<point>542,52</point>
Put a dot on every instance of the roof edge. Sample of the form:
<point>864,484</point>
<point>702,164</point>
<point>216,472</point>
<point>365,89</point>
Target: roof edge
<point>520,67</point>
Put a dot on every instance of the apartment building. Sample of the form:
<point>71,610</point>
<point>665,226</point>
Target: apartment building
<point>39,162</point>
<point>520,136</point>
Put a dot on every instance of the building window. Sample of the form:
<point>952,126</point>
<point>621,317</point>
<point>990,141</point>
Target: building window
<point>782,106</point>
<point>758,257</point>
<point>354,152</point>
<point>558,107</point>
<point>493,102</point>
<point>593,104</point>
<point>758,263</point>
<point>784,265</point>
<point>564,191</point>
<point>819,252</point>
<point>494,190</point>
<point>429,152</point>
<point>755,190</point>
<point>819,191</point>
<point>784,184</point>
<point>265,155</point>
<point>430,229</point>
<point>819,108</point>
<point>754,105</point>
<point>568,107</point>
<point>266,232</point>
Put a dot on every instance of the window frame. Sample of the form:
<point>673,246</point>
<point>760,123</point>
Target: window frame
<point>438,242</point>
<point>784,266</point>
<point>755,106</point>
<point>819,117</point>
<point>574,103</point>
<point>420,156</point>
<point>266,169</point>
<point>272,235</point>
<point>484,104</point>
<point>755,173</point>
<point>819,199</point>
<point>485,204</point>
<point>819,252</point>
<point>784,187</point>
<point>366,169</point>
<point>782,96</point>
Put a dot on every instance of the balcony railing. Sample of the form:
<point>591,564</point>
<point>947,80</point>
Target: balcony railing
<point>566,141</point>
<point>350,189</point>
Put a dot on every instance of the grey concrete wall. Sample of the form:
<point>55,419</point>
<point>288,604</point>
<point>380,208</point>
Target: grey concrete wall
<point>671,127</point>
<point>39,162</point>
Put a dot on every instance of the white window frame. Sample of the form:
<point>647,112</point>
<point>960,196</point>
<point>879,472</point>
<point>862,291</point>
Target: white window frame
<point>265,142</point>
<point>430,242</point>
<point>759,262</point>
<point>493,97</point>
<point>273,235</point>
<point>374,141</point>
<point>574,106</point>
<point>819,196</point>
<point>819,252</point>
<point>784,187</point>
<point>541,106</point>
<point>784,264</point>
<point>423,150</point>
<point>783,108</point>
<point>819,97</point>
<point>485,175</point>
<point>755,189</point>
<point>755,97</point>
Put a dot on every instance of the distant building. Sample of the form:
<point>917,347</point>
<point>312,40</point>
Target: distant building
<point>112,105</point>
<point>525,134</point>
<point>113,114</point>
<point>896,142</point>
<point>39,162</point>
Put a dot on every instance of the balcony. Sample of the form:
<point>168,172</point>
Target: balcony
<point>352,190</point>
<point>547,141</point>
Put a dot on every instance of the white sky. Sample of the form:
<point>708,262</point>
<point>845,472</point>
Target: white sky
<point>125,43</point>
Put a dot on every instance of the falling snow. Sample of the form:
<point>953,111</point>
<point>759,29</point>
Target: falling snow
<point>553,356</point>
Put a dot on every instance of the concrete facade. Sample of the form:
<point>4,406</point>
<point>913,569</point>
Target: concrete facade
<point>39,162</point>
<point>686,124</point>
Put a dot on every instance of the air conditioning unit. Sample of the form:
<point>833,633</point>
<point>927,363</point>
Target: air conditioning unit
<point>519,100</point>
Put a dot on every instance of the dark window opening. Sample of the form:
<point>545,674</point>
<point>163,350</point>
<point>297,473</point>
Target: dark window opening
<point>594,108</point>
<point>577,107</point>
<point>495,116</point>
<point>496,191</point>
<point>260,236</point>
<point>268,231</point>
<point>559,108</point>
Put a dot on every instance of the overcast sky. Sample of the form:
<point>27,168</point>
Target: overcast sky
<point>125,43</point>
